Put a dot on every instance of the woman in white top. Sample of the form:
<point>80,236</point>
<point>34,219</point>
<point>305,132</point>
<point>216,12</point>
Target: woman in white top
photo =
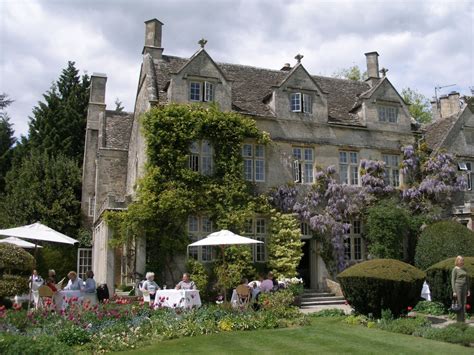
<point>150,285</point>
<point>75,283</point>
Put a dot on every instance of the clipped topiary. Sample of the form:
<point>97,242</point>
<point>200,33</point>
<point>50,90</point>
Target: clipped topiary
<point>438,277</point>
<point>379,284</point>
<point>15,266</point>
<point>14,259</point>
<point>443,240</point>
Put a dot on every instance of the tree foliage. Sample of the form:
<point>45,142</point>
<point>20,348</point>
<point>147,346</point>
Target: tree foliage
<point>15,265</point>
<point>284,246</point>
<point>419,105</point>
<point>58,124</point>
<point>7,140</point>
<point>352,73</point>
<point>170,191</point>
<point>45,189</point>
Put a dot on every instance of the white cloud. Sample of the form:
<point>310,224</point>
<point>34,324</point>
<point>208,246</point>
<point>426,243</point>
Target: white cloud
<point>423,43</point>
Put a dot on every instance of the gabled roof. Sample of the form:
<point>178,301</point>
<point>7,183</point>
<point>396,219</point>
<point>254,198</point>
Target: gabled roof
<point>200,52</point>
<point>437,131</point>
<point>118,129</point>
<point>250,86</point>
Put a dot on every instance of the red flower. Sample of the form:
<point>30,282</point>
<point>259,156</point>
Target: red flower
<point>468,307</point>
<point>409,308</point>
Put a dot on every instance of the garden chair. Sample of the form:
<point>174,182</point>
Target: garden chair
<point>44,292</point>
<point>243,295</point>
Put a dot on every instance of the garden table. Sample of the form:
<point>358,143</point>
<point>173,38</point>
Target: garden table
<point>177,298</point>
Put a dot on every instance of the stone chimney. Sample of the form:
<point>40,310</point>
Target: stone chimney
<point>153,38</point>
<point>372,59</point>
<point>435,109</point>
<point>449,104</point>
<point>97,91</point>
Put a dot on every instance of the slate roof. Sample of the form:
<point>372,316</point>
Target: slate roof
<point>250,86</point>
<point>437,131</point>
<point>118,129</point>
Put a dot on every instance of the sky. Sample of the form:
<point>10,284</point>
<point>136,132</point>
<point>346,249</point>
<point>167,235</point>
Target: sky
<point>423,43</point>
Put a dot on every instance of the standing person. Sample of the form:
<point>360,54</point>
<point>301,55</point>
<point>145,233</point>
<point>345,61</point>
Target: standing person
<point>150,285</point>
<point>52,275</point>
<point>186,283</point>
<point>75,283</point>
<point>460,286</point>
<point>90,286</point>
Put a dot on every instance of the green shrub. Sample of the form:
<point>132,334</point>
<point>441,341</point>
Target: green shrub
<point>328,313</point>
<point>443,240</point>
<point>199,275</point>
<point>381,284</point>
<point>438,277</point>
<point>18,344</point>
<point>14,260</point>
<point>74,335</point>
<point>408,326</point>
<point>11,285</point>
<point>429,307</point>
<point>450,334</point>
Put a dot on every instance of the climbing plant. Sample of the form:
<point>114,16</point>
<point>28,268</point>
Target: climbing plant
<point>170,191</point>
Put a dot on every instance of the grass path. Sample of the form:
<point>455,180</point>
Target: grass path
<point>324,336</point>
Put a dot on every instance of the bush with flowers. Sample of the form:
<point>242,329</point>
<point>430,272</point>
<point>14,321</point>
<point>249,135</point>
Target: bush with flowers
<point>123,323</point>
<point>295,285</point>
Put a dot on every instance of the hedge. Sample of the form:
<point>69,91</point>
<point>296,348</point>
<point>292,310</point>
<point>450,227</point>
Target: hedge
<point>14,259</point>
<point>443,240</point>
<point>379,284</point>
<point>438,277</point>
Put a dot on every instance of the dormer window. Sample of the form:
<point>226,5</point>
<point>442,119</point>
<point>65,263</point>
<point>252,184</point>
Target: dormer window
<point>201,91</point>
<point>388,114</point>
<point>300,102</point>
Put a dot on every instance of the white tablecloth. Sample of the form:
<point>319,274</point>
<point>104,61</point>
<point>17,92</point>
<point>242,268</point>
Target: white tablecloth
<point>177,298</point>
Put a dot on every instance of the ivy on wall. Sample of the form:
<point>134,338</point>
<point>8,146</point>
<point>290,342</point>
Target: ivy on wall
<point>169,191</point>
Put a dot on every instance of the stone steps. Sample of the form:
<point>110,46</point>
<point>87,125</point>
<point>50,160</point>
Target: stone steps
<point>313,299</point>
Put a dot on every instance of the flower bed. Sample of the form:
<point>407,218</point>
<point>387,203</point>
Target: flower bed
<point>124,324</point>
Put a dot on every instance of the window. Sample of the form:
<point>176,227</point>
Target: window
<point>303,165</point>
<point>200,157</point>
<point>201,91</point>
<point>465,167</point>
<point>300,102</point>
<point>199,228</point>
<point>254,162</point>
<point>349,168</point>
<point>257,229</point>
<point>305,230</point>
<point>84,262</point>
<point>392,172</point>
<point>388,114</point>
<point>353,242</point>
<point>91,206</point>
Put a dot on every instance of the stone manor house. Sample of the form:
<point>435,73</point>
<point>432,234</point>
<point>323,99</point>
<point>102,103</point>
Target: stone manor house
<point>313,121</point>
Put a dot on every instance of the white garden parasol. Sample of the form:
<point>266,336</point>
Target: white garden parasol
<point>222,238</point>
<point>19,243</point>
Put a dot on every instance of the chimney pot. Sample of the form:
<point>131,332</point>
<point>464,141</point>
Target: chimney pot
<point>97,91</point>
<point>153,38</point>
<point>372,64</point>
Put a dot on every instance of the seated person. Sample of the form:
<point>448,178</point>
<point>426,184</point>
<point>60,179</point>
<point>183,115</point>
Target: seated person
<point>186,283</point>
<point>75,283</point>
<point>90,286</point>
<point>275,281</point>
<point>50,282</point>
<point>266,285</point>
<point>150,285</point>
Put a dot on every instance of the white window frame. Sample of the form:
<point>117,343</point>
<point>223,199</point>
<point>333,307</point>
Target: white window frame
<point>300,102</point>
<point>91,210</point>
<point>199,227</point>
<point>257,228</point>
<point>306,232</point>
<point>84,261</point>
<point>353,242</point>
<point>387,114</point>
<point>253,156</point>
<point>303,165</point>
<point>349,172</point>
<point>205,91</point>
<point>200,157</point>
<point>392,169</point>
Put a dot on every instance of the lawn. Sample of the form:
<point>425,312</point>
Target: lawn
<point>324,336</point>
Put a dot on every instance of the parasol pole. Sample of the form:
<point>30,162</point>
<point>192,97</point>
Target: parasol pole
<point>224,268</point>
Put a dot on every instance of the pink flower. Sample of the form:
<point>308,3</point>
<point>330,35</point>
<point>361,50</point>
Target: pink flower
<point>468,306</point>
<point>409,308</point>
